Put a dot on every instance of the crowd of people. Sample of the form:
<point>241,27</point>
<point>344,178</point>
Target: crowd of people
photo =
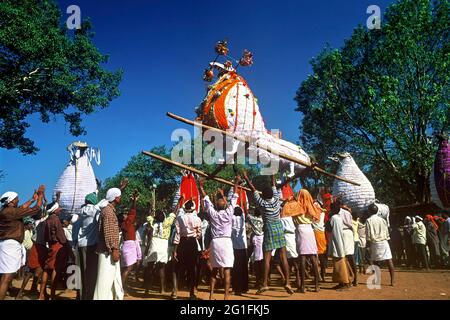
<point>217,243</point>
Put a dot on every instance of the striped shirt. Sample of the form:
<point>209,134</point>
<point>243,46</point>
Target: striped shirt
<point>270,209</point>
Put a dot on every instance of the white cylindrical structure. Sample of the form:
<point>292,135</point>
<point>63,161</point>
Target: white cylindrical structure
<point>358,198</point>
<point>77,179</point>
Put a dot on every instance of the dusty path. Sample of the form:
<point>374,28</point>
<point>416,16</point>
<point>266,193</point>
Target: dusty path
<point>411,285</point>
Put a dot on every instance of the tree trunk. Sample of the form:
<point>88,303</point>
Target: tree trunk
<point>422,188</point>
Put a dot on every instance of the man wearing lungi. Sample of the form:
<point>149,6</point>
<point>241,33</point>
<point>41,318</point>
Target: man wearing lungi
<point>342,272</point>
<point>109,281</point>
<point>270,205</point>
<point>131,249</point>
<point>221,221</point>
<point>291,247</point>
<point>12,233</point>
<point>321,240</point>
<point>37,257</point>
<point>349,240</point>
<point>377,238</point>
<point>157,251</point>
<point>306,240</point>
<point>58,251</point>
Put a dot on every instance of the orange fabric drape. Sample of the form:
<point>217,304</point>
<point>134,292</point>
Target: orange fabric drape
<point>242,200</point>
<point>429,217</point>
<point>188,187</point>
<point>307,204</point>
<point>286,192</point>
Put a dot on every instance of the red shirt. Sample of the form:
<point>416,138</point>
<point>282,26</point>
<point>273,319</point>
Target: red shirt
<point>127,226</point>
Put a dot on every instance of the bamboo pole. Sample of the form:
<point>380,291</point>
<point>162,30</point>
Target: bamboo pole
<point>281,155</point>
<point>185,167</point>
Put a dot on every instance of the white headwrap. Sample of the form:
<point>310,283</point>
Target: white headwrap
<point>54,207</point>
<point>103,203</point>
<point>418,218</point>
<point>112,194</point>
<point>7,197</point>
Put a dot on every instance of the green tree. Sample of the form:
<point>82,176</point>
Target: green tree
<point>46,70</point>
<point>142,173</point>
<point>382,96</point>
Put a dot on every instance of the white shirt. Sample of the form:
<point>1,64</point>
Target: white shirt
<point>376,229</point>
<point>238,232</point>
<point>419,233</point>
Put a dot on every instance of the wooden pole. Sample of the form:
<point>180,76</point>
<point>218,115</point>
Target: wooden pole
<point>185,167</point>
<point>281,155</point>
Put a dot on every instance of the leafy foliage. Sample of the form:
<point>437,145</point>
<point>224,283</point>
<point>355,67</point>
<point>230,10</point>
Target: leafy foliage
<point>382,96</point>
<point>45,70</point>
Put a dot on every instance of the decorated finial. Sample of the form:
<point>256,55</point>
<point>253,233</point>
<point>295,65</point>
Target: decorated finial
<point>247,59</point>
<point>222,48</point>
<point>208,75</point>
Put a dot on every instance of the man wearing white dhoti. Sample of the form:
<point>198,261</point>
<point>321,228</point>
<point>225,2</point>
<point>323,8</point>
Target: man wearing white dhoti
<point>157,250</point>
<point>12,233</point>
<point>109,282</point>
<point>221,220</point>
<point>349,240</point>
<point>342,273</point>
<point>377,236</point>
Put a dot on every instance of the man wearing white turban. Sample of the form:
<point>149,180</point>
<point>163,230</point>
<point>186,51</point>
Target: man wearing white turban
<point>12,233</point>
<point>109,282</point>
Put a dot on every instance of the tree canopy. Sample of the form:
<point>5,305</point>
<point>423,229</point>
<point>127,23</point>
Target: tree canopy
<point>382,96</point>
<point>47,70</point>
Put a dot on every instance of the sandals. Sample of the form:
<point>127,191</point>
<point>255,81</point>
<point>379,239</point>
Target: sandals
<point>262,290</point>
<point>288,289</point>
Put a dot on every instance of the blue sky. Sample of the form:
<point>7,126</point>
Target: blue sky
<point>163,47</point>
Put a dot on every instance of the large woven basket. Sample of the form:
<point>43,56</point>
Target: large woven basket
<point>358,198</point>
<point>77,179</point>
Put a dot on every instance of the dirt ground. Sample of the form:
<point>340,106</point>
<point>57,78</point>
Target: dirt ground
<point>410,285</point>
